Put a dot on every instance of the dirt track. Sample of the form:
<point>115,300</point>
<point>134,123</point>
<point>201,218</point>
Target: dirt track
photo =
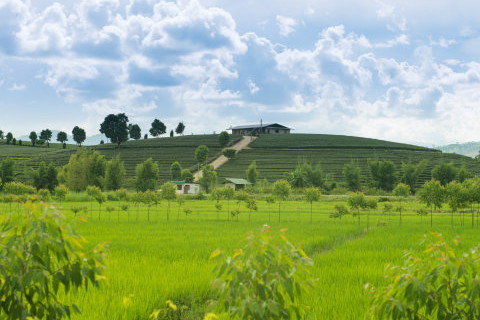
<point>242,144</point>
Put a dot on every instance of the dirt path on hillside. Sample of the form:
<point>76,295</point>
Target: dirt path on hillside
<point>220,161</point>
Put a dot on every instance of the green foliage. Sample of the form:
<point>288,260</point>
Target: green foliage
<point>351,174</point>
<point>168,191</point>
<point>410,173</point>
<point>201,154</point>
<point>208,181</point>
<point>18,188</point>
<point>79,135</point>
<point>115,127</point>
<point>61,192</point>
<point>46,135</point>
<point>85,167</point>
<point>265,279</point>
<point>457,195</point>
<point>432,193</point>
<point>135,132</point>
<point>382,174</point>
<point>252,172</point>
<point>357,201</point>
<point>229,153</point>
<point>180,128</point>
<point>312,194</point>
<point>7,170</point>
<point>40,257</point>
<point>146,175</point>
<point>44,194</point>
<point>440,283</point>
<point>33,138</point>
<point>223,139</point>
<point>402,190</point>
<point>228,193</point>
<point>187,175</point>
<point>176,171</point>
<point>62,137</point>
<point>463,174</point>
<point>304,175</point>
<point>9,137</point>
<point>281,189</point>
<point>114,174</point>
<point>45,176</point>
<point>340,211</point>
<point>444,173</point>
<point>158,128</point>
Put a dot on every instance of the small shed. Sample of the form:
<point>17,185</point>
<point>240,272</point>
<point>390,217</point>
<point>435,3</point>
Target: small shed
<point>237,184</point>
<point>267,128</point>
<point>186,187</point>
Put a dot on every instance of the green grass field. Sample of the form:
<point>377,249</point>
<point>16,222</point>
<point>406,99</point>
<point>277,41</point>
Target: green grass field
<point>152,261</point>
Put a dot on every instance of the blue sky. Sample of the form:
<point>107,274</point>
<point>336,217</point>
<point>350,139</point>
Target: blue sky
<point>406,71</point>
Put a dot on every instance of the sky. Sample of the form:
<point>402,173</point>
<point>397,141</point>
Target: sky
<point>405,71</point>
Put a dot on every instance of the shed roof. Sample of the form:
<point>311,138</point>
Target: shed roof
<point>237,181</point>
<point>264,125</point>
<point>182,182</point>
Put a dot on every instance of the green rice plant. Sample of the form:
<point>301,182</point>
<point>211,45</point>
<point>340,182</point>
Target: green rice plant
<point>265,279</point>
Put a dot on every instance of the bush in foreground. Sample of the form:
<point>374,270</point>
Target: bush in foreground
<point>265,279</point>
<point>40,256</point>
<point>438,284</point>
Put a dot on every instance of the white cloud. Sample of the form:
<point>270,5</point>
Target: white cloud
<point>388,12</point>
<point>17,87</point>
<point>252,87</point>
<point>183,59</point>
<point>286,25</point>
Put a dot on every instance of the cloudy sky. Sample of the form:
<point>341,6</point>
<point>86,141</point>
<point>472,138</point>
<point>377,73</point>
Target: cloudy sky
<point>406,71</point>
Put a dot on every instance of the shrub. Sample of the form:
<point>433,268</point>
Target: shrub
<point>440,283</point>
<point>40,256</point>
<point>229,153</point>
<point>265,279</point>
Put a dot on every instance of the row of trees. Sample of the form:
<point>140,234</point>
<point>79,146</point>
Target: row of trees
<point>115,127</point>
<point>382,174</point>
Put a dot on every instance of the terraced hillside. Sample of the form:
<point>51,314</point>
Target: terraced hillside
<point>277,154</point>
<point>163,150</point>
<point>27,157</point>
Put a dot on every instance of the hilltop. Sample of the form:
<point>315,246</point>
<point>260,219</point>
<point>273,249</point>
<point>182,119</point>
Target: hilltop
<point>274,154</point>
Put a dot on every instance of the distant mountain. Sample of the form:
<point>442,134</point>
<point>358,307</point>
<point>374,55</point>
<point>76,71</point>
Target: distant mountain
<point>469,149</point>
<point>89,141</point>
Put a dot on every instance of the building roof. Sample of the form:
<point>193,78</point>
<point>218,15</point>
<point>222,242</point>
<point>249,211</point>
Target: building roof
<point>255,126</point>
<point>182,182</point>
<point>237,181</point>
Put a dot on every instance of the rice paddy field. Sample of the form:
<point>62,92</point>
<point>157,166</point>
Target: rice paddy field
<point>152,260</point>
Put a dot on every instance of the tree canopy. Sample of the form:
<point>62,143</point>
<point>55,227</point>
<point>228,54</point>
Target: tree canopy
<point>158,128</point>
<point>180,128</point>
<point>115,127</point>
<point>135,131</point>
<point>79,135</point>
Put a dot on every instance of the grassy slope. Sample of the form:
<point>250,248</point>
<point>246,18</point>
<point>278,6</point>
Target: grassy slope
<point>163,150</point>
<point>276,154</point>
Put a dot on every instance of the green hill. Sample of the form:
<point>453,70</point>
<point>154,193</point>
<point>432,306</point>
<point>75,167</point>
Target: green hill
<point>163,150</point>
<point>274,154</point>
<point>277,154</point>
